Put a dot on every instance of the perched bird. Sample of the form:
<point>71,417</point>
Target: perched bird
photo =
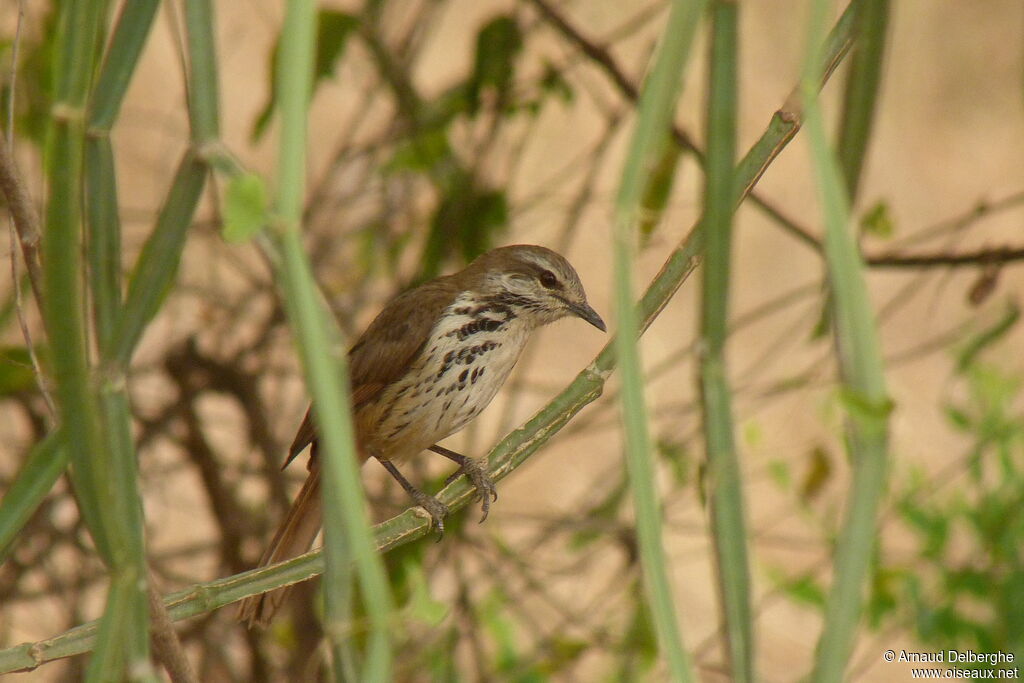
<point>428,364</point>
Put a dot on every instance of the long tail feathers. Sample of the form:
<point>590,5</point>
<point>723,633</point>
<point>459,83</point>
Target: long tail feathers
<point>294,537</point>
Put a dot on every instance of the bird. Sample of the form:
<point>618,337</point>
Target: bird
<point>430,362</point>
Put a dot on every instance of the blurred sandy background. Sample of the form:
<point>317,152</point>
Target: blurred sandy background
<point>949,134</point>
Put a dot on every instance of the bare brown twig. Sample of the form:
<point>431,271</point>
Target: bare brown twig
<point>166,645</point>
<point>23,213</point>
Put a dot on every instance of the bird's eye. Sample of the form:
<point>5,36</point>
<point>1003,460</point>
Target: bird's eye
<point>548,279</point>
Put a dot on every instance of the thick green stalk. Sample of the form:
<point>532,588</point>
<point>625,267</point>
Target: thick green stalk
<point>63,303</point>
<point>104,224</point>
<point>157,266</point>
<point>861,93</point>
<point>654,119</point>
<point>203,89</point>
<point>129,594</point>
<point>347,534</point>
<point>104,238</point>
<point>725,480</point>
<point>95,469</point>
<point>126,43</point>
<point>128,635</point>
<point>863,383</point>
<point>40,471</point>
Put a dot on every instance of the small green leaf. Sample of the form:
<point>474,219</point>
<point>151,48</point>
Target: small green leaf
<point>823,325</point>
<point>16,373</point>
<point>466,222</point>
<point>422,606</point>
<point>805,589</point>
<point>818,473</point>
<point>333,31</point>
<point>640,637</point>
<point>959,418</point>
<point>245,207</point>
<point>859,406</point>
<point>422,152</point>
<point>987,337</point>
<point>554,83</point>
<point>497,45</point>
<point>878,221</point>
<point>780,473</point>
<point>658,189</point>
<point>678,458</point>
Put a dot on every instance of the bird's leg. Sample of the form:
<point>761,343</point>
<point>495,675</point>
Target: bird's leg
<point>435,508</point>
<point>476,471</point>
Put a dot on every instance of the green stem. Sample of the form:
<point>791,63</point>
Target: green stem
<point>863,384</point>
<point>861,95</point>
<point>726,486</point>
<point>40,471</point>
<point>347,533</point>
<point>654,118</point>
<point>203,89</point>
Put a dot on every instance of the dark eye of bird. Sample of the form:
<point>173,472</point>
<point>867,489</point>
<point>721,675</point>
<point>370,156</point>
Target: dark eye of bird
<point>548,279</point>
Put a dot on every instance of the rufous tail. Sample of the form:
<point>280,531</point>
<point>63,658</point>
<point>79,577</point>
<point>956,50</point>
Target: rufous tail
<point>294,537</point>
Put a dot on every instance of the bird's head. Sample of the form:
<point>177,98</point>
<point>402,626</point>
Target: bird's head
<point>536,282</point>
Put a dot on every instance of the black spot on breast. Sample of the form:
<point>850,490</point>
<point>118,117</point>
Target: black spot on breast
<point>449,359</point>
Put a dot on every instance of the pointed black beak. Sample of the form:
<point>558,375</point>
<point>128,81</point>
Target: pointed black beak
<point>583,310</point>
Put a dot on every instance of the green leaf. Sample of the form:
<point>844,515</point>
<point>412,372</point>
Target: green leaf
<point>859,406</point>
<point>780,473</point>
<point>466,222</point>
<point>497,45</point>
<point>805,589</point>
<point>959,418</point>
<point>334,28</point>
<point>678,458</point>
<point>641,637</point>
<point>988,336</point>
<point>552,82</point>
<point>36,477</point>
<point>878,222</point>
<point>657,190</point>
<point>332,34</point>
<point>823,325</point>
<point>16,373</point>
<point>427,149</point>
<point>422,606</point>
<point>819,471</point>
<point>245,207</point>
<point>883,599</point>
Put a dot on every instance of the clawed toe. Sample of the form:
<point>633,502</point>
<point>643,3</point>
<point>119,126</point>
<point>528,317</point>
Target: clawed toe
<point>486,492</point>
<point>435,509</point>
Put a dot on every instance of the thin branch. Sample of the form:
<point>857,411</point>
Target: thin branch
<point>166,644</point>
<point>23,213</point>
<point>604,59</point>
<point>981,257</point>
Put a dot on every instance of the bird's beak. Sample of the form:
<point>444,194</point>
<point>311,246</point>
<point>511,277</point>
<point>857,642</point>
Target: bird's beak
<point>583,310</point>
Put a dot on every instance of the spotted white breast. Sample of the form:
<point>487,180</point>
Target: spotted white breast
<point>465,360</point>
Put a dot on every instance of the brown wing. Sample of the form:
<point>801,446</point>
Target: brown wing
<point>385,350</point>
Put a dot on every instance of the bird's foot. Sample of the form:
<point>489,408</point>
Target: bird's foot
<point>434,508</point>
<point>476,471</point>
